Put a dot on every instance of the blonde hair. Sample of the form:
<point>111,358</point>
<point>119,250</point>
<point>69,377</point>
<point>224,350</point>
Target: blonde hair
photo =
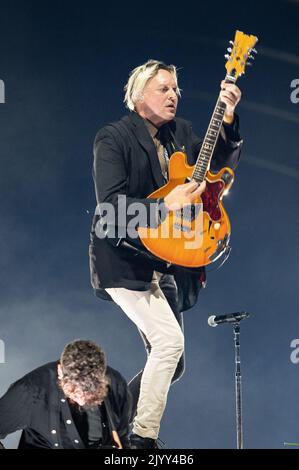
<point>140,76</point>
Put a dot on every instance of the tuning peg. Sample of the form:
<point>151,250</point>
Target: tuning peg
<point>231,42</point>
<point>253,50</point>
<point>249,63</point>
<point>229,49</point>
<point>251,57</point>
<point>226,56</point>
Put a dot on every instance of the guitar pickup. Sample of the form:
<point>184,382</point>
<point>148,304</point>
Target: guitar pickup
<point>183,228</point>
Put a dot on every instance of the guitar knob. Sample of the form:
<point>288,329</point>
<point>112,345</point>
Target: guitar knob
<point>226,177</point>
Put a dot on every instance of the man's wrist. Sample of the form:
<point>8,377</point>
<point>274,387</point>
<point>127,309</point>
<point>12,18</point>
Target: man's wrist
<point>228,118</point>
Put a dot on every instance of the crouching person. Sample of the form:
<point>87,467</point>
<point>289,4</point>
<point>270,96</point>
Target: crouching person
<point>77,402</point>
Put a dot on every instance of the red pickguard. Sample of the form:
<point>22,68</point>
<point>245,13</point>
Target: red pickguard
<point>210,199</point>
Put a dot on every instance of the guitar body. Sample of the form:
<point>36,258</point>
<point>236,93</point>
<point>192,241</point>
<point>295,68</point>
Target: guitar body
<point>191,239</point>
<point>198,235</point>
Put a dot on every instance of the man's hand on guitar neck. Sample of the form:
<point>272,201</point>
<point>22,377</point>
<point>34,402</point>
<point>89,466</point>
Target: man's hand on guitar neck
<point>230,94</point>
<point>183,195</point>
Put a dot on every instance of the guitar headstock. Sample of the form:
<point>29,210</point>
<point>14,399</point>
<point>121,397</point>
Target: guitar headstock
<point>240,51</point>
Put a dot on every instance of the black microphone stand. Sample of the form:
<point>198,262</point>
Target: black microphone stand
<point>238,385</point>
<point>234,319</point>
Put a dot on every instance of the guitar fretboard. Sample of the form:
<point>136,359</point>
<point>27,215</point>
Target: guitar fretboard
<point>206,152</point>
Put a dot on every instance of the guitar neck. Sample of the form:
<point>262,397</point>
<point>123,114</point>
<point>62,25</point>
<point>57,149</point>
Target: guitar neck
<point>207,149</point>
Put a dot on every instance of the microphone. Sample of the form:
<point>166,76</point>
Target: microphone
<point>214,320</point>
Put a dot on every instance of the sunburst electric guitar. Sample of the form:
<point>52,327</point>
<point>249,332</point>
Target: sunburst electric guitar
<point>197,235</point>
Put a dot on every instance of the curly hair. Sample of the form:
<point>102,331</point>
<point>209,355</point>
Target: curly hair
<point>83,364</point>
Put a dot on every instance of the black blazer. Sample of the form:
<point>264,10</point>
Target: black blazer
<point>126,163</point>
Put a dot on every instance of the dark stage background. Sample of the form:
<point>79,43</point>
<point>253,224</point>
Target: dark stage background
<point>64,65</point>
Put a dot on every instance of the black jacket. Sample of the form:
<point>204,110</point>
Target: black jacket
<point>126,163</point>
<point>37,405</point>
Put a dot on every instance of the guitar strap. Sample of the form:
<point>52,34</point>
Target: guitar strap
<point>114,433</point>
<point>171,143</point>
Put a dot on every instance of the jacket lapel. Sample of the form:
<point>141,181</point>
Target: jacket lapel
<point>145,140</point>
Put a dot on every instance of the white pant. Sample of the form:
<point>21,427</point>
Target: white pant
<point>151,313</point>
